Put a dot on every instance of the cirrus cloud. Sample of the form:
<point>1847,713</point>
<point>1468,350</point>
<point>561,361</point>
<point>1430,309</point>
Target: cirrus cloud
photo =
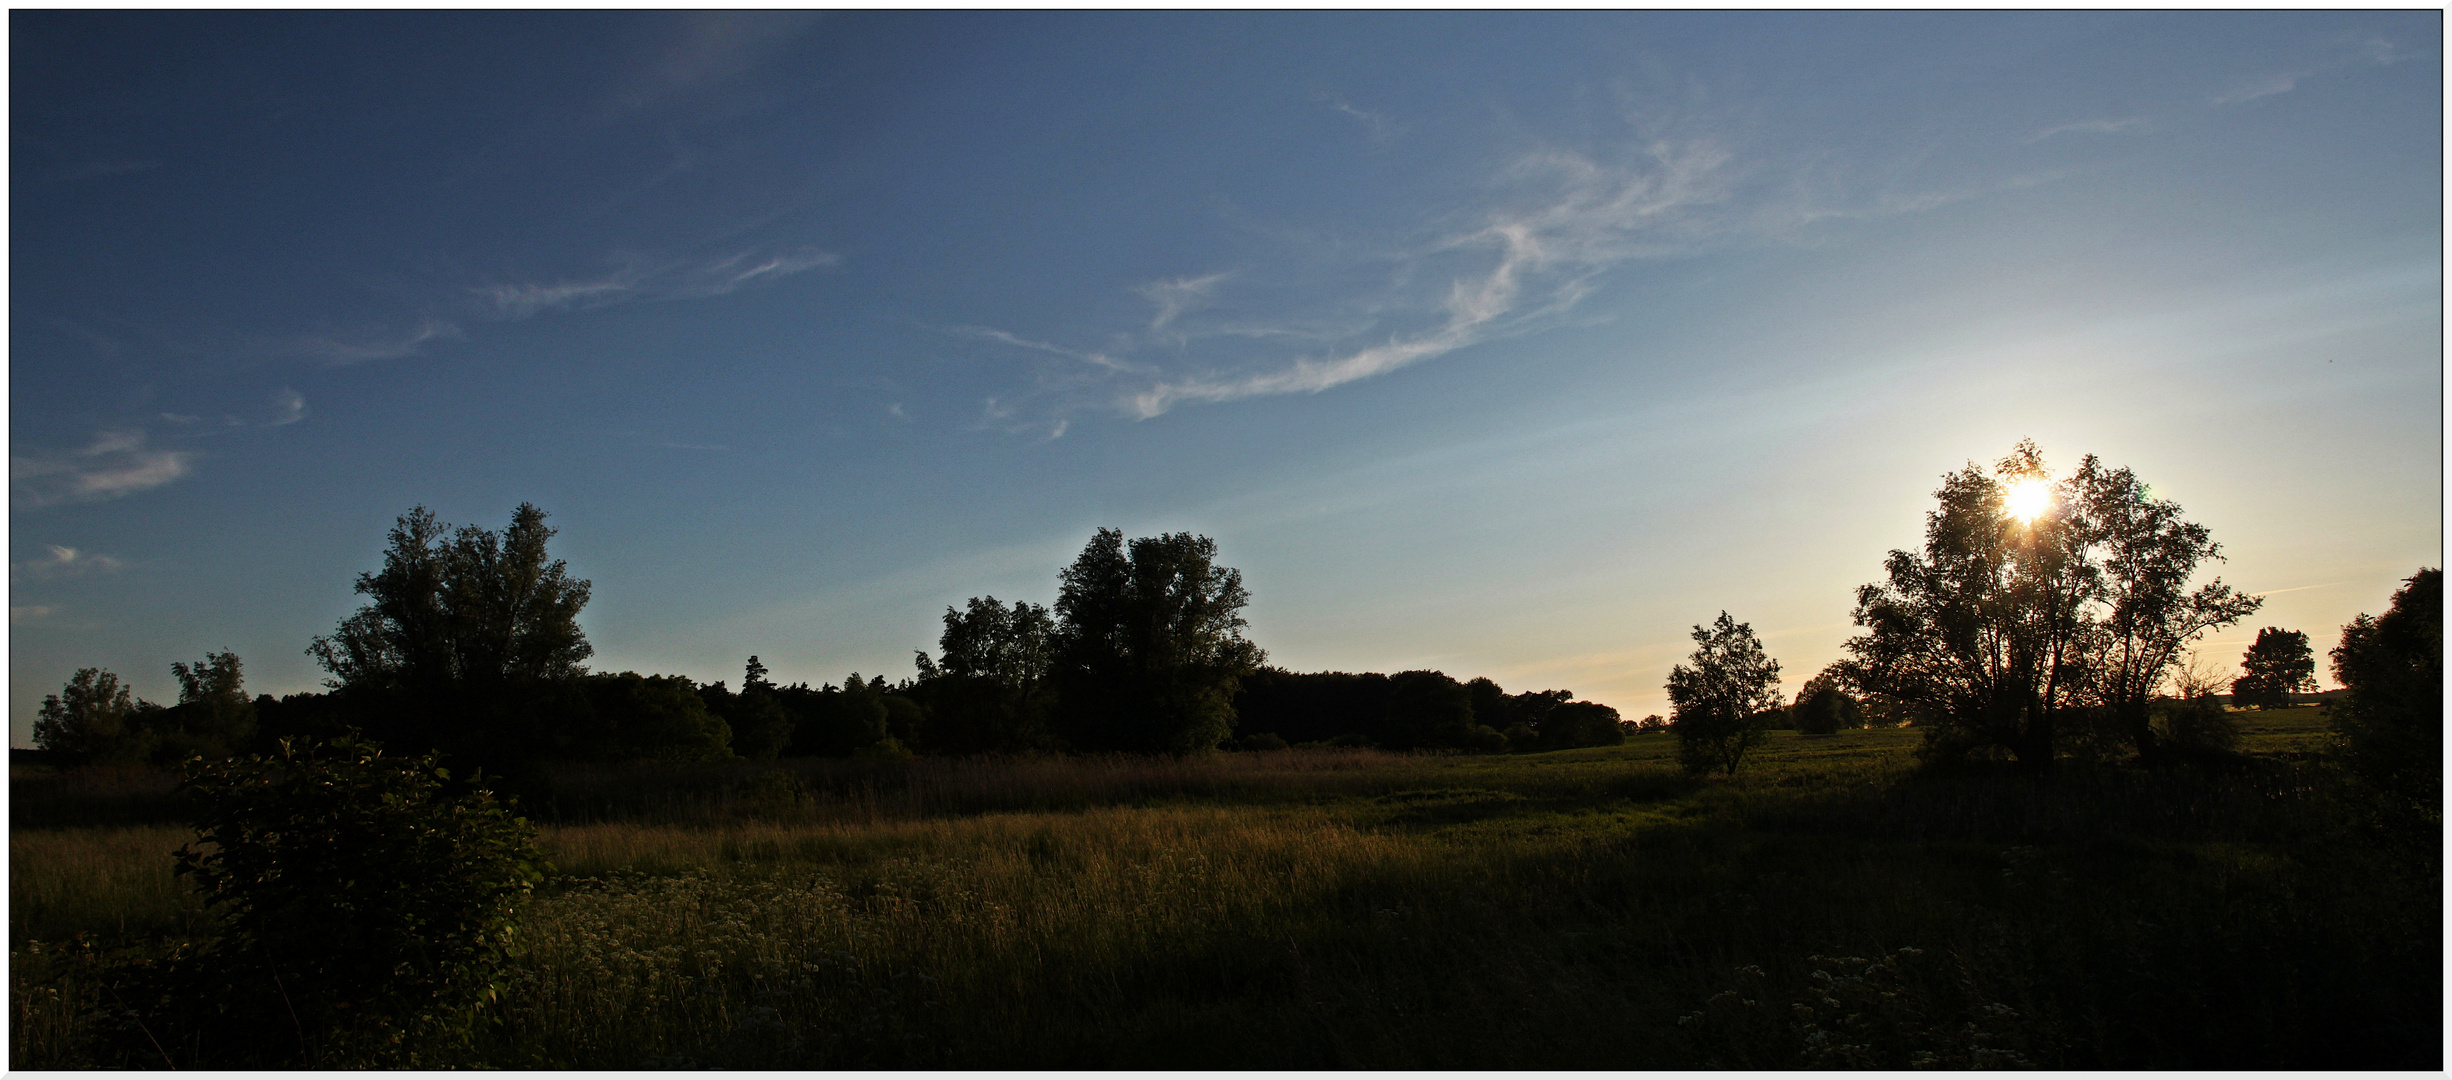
<point>114,464</point>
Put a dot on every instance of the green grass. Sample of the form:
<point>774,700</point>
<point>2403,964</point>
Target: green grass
<point>1578,909</point>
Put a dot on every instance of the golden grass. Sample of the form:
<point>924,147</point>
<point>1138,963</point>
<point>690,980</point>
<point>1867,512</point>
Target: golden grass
<point>1359,909</point>
<point>114,880</point>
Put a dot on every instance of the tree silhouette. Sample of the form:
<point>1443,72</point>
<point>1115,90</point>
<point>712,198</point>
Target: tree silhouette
<point>2001,628</point>
<point>2278,665</point>
<point>1721,699</point>
<point>2391,721</point>
<point>1149,644</point>
<point>2147,555</point>
<point>213,716</point>
<point>1823,706</point>
<point>988,693</point>
<point>468,641</point>
<point>92,719</point>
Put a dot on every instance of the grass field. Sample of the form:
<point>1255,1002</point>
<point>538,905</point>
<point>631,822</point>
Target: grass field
<point>1298,909</point>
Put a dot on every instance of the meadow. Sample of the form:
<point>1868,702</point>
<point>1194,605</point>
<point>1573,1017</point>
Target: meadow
<point>1829,906</point>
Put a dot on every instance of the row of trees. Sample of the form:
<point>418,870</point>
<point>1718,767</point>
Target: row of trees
<point>2019,631</point>
<point>469,644</point>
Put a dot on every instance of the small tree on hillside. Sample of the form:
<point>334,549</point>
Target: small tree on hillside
<point>1721,702</point>
<point>2278,665</point>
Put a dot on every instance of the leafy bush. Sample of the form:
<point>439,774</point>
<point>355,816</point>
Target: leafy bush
<point>2195,727</point>
<point>367,907</point>
<point>1581,723</point>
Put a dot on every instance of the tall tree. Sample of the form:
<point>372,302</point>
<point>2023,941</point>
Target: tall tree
<point>93,718</point>
<point>467,639</point>
<point>1150,644</point>
<point>2147,613</point>
<point>2280,664</point>
<point>2011,620</point>
<point>2391,721</point>
<point>213,717</point>
<point>1721,699</point>
<point>760,725</point>
<point>988,692</point>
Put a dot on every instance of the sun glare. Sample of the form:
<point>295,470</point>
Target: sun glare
<point>2029,498</point>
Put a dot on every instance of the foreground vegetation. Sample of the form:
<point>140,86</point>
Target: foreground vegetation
<point>1595,908</point>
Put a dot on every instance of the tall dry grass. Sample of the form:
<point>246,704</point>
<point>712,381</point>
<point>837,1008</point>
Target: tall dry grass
<point>1585,909</point>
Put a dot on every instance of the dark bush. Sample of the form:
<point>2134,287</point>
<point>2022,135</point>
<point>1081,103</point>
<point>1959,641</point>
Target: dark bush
<point>367,906</point>
<point>1581,723</point>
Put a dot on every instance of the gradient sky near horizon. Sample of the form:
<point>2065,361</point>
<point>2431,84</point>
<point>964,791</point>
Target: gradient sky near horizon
<point>1505,344</point>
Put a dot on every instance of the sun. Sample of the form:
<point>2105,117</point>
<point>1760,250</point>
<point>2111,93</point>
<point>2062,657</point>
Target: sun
<point>2028,499</point>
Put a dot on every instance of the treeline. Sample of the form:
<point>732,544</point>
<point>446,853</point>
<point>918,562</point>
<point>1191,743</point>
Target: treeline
<point>469,644</point>
<point>2042,619</point>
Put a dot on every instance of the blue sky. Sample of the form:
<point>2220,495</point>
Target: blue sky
<point>1510,345</point>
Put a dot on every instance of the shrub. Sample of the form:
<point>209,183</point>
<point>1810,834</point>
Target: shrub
<point>367,906</point>
<point>1581,723</point>
<point>1266,740</point>
<point>2196,727</point>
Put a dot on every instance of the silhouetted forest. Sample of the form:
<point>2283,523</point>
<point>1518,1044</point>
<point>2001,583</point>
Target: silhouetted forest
<point>469,645</point>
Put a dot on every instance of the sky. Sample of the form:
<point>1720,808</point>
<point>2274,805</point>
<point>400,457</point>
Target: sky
<point>1511,345</point>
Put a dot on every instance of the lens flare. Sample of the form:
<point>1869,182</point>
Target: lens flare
<point>2029,499</point>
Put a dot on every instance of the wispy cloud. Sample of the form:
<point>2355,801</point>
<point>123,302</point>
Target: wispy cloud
<point>2261,86</point>
<point>66,562</point>
<point>2340,54</point>
<point>1086,356</point>
<point>116,463</point>
<point>1518,265</point>
<point>639,279</point>
<point>1175,297</point>
<point>20,614</point>
<point>1381,129</point>
<point>2094,127</point>
<point>375,344</point>
<point>290,407</point>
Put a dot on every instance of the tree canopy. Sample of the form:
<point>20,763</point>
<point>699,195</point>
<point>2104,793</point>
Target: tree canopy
<point>93,718</point>
<point>1149,644</point>
<point>469,640</point>
<point>1722,697</point>
<point>2391,721</point>
<point>2007,626</point>
<point>2278,665</point>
